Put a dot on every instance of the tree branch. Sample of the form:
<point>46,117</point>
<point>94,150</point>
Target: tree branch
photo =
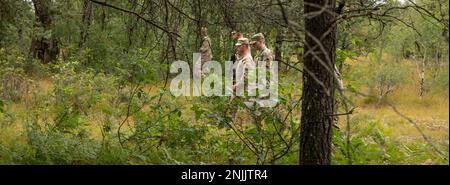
<point>137,15</point>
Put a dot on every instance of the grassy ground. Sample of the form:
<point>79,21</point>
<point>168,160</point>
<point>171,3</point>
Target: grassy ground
<point>398,135</point>
<point>378,134</point>
<point>380,127</point>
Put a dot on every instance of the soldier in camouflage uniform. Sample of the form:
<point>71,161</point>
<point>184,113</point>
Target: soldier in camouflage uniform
<point>235,36</point>
<point>244,60</point>
<point>243,83</point>
<point>205,49</point>
<point>263,53</point>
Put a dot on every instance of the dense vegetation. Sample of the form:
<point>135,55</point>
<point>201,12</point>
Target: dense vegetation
<point>86,82</point>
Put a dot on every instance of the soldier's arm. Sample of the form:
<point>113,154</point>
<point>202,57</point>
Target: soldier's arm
<point>268,58</point>
<point>242,76</point>
<point>203,48</point>
<point>205,45</point>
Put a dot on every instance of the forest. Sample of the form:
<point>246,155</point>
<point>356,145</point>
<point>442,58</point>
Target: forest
<point>359,82</point>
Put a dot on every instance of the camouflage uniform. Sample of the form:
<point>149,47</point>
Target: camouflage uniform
<point>247,63</point>
<point>246,80</point>
<point>244,62</point>
<point>264,55</point>
<point>205,50</point>
<point>206,53</point>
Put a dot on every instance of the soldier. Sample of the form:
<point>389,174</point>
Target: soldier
<point>263,53</point>
<point>205,49</point>
<point>244,58</point>
<point>235,36</point>
<point>244,62</point>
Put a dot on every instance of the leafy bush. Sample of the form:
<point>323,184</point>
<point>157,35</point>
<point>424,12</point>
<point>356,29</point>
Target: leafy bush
<point>51,146</point>
<point>379,77</point>
<point>13,82</point>
<point>81,92</point>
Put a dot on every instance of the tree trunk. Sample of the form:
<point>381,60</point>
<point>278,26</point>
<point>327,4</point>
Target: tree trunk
<point>85,22</point>
<point>318,87</point>
<point>44,48</point>
<point>278,46</point>
<point>103,18</point>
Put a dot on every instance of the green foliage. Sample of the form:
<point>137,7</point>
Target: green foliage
<point>440,82</point>
<point>266,136</point>
<point>342,55</point>
<point>387,77</point>
<point>380,76</point>
<point>82,91</point>
<point>55,147</point>
<point>372,143</point>
<point>13,81</point>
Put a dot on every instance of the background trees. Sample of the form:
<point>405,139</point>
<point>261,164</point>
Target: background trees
<point>44,45</point>
<point>86,59</point>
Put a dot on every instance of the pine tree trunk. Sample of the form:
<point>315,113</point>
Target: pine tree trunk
<point>318,100</point>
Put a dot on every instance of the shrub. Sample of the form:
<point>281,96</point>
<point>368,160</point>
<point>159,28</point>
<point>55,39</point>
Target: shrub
<point>379,77</point>
<point>52,146</point>
<point>80,92</point>
<point>13,84</point>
